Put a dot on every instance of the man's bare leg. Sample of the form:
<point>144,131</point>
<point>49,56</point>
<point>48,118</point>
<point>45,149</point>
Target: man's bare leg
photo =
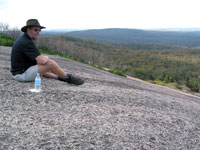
<point>52,70</point>
<point>51,75</point>
<point>53,67</point>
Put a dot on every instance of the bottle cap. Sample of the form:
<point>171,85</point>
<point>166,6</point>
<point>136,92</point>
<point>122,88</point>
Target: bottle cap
<point>38,74</point>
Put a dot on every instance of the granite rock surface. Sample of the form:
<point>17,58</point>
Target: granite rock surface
<point>107,112</point>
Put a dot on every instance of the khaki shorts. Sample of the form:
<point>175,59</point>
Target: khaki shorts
<point>28,75</point>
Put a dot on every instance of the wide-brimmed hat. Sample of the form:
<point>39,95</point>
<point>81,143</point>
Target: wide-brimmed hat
<point>31,23</point>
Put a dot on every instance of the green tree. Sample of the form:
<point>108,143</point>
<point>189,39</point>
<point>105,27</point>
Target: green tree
<point>168,79</point>
<point>193,84</point>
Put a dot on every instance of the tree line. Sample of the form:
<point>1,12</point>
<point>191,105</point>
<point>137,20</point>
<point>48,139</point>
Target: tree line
<point>13,32</point>
<point>180,66</point>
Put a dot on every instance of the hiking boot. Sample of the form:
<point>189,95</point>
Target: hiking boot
<point>72,80</point>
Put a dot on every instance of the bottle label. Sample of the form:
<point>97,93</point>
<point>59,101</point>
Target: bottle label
<point>37,82</point>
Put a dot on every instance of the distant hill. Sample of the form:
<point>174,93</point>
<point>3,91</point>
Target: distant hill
<point>178,29</point>
<point>189,39</point>
<point>59,31</point>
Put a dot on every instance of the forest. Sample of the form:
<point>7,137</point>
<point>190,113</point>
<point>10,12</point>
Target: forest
<point>179,66</point>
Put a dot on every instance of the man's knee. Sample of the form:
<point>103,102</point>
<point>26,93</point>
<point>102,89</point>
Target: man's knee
<point>51,63</point>
<point>49,66</point>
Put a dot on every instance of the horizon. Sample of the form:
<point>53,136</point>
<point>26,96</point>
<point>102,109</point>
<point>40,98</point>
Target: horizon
<point>154,29</point>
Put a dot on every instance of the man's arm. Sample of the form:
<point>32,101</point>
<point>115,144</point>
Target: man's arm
<point>41,59</point>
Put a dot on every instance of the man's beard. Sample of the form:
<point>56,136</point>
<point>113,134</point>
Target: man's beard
<point>33,38</point>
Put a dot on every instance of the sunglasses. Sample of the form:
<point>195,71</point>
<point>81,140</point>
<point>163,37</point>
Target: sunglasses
<point>36,30</point>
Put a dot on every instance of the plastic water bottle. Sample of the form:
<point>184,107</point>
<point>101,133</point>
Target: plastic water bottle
<point>38,83</point>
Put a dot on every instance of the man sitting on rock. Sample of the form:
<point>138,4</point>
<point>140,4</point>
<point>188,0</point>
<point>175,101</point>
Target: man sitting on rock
<point>26,60</point>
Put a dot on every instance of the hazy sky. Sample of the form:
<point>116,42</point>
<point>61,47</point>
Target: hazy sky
<point>95,14</point>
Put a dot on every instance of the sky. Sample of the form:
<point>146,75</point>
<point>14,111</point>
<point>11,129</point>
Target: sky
<point>99,14</point>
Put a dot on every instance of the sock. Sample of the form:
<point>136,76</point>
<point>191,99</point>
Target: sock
<point>61,78</point>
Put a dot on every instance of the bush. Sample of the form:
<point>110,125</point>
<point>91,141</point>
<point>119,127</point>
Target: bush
<point>6,40</point>
<point>193,84</point>
<point>118,72</point>
<point>44,48</point>
<point>5,36</point>
<point>168,79</point>
<point>165,79</point>
<point>46,51</point>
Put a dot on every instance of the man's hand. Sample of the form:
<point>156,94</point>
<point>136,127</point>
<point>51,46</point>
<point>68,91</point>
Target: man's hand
<point>41,59</point>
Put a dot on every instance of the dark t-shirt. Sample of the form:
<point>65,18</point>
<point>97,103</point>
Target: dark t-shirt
<point>23,55</point>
